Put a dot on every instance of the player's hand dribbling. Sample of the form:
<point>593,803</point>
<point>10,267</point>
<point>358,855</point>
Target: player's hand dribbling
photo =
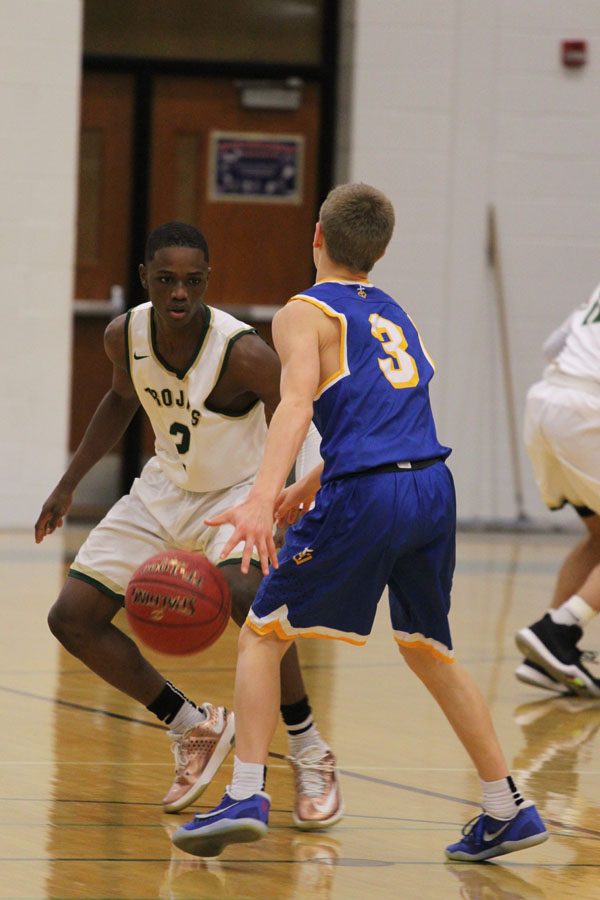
<point>252,522</point>
<point>53,512</point>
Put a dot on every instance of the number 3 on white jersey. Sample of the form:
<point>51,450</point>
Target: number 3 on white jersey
<point>399,367</point>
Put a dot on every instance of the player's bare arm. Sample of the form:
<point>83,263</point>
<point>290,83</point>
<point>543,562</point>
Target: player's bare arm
<point>107,425</point>
<point>252,372</point>
<point>295,500</point>
<point>297,340</point>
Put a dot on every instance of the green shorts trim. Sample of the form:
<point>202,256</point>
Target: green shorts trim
<point>119,596</point>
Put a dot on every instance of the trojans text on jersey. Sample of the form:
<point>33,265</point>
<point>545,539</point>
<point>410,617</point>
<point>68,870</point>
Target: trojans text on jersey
<point>167,397</point>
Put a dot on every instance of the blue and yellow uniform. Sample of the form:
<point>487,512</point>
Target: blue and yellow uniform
<point>385,513</point>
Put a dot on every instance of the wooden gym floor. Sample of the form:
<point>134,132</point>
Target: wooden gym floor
<point>83,768</point>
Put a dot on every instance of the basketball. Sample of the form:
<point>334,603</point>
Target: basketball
<point>178,603</point>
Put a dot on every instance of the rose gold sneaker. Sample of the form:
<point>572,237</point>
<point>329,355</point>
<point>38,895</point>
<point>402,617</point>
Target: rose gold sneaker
<point>318,797</point>
<point>199,752</point>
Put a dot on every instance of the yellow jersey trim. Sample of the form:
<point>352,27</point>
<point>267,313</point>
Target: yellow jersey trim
<point>343,369</point>
<point>423,643</point>
<point>276,627</point>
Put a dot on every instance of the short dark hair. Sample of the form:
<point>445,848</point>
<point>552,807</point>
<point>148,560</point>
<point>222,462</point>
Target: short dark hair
<point>174,234</point>
<point>357,221</point>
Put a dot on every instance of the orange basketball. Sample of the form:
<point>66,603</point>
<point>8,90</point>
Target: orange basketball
<point>178,602</point>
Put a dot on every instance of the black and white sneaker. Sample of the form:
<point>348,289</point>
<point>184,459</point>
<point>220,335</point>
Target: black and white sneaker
<point>554,648</point>
<point>530,673</point>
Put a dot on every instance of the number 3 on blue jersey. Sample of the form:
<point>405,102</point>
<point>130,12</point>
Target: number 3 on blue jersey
<point>399,367</point>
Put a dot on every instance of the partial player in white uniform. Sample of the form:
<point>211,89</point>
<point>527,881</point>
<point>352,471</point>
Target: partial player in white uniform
<point>208,384</point>
<point>562,435</point>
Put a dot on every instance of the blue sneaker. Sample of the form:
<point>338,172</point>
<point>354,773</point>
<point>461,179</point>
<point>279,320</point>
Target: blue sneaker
<point>484,836</point>
<point>231,822</point>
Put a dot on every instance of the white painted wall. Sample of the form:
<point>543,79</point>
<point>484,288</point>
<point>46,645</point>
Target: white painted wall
<point>448,106</point>
<point>39,102</point>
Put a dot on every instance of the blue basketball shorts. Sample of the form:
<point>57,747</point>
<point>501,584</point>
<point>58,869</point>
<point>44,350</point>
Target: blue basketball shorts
<point>366,532</point>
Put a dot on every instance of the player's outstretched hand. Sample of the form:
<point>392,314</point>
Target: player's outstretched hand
<point>53,512</point>
<point>294,501</point>
<point>252,524</point>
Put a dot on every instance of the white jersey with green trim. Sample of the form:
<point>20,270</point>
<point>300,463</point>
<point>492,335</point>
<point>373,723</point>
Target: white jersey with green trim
<point>574,348</point>
<point>199,448</point>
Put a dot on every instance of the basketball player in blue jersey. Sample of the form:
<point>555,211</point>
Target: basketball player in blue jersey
<point>208,384</point>
<point>384,516</point>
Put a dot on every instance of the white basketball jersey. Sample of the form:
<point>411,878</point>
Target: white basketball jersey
<point>580,352</point>
<point>198,448</point>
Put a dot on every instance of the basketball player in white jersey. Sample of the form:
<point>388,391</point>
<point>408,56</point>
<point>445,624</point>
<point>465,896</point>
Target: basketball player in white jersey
<point>208,384</point>
<point>562,435</point>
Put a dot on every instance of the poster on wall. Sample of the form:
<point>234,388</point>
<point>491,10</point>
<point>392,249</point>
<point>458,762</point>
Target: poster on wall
<point>251,167</point>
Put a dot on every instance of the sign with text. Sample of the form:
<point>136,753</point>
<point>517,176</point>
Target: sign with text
<point>250,167</point>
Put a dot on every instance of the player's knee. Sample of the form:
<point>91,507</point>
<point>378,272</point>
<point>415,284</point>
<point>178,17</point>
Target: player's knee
<point>272,644</point>
<point>594,543</point>
<point>241,601</point>
<point>65,625</point>
<point>421,659</point>
<point>243,589</point>
<point>246,639</point>
<point>81,614</point>
<point>592,524</point>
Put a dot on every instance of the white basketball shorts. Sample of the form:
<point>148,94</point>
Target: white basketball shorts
<point>155,516</point>
<point>562,436</point>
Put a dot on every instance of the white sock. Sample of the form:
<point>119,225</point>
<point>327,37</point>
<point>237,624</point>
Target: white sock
<point>574,611</point>
<point>501,799</point>
<point>308,738</point>
<point>248,779</point>
<point>188,716</point>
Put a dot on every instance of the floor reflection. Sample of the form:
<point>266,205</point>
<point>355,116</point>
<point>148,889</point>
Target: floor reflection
<point>304,868</point>
<point>83,768</point>
<point>559,737</point>
<point>491,881</point>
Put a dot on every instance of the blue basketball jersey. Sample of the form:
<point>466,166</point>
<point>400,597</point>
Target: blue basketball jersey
<point>375,409</point>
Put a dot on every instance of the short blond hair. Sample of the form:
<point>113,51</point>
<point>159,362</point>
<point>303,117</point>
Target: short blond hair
<point>357,222</point>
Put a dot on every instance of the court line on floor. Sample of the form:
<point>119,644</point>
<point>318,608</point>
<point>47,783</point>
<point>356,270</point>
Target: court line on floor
<point>341,862</point>
<point>384,782</point>
<point>394,663</point>
<point>81,707</point>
